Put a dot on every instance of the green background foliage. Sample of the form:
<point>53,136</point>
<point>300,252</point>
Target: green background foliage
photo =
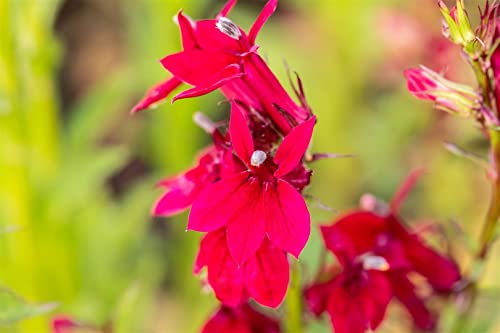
<point>71,243</point>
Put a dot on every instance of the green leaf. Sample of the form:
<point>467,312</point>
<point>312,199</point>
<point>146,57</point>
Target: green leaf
<point>13,308</point>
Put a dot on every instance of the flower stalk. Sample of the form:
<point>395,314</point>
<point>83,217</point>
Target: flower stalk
<point>293,302</point>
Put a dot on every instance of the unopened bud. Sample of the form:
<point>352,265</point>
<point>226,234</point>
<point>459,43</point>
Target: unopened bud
<point>456,25</point>
<point>448,96</point>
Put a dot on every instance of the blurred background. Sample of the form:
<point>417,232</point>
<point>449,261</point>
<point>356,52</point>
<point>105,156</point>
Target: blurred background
<point>78,173</point>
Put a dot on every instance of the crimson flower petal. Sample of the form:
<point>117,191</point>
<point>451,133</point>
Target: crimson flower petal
<point>223,274</point>
<point>227,74</point>
<point>197,67</point>
<point>227,8</point>
<point>246,229</point>
<point>267,275</point>
<point>360,310</point>
<point>404,291</point>
<point>288,223</point>
<point>293,147</point>
<point>241,137</point>
<point>212,39</point>
<point>266,13</point>
<point>353,234</point>
<point>441,272</point>
<point>157,93</point>
<point>215,206</point>
<point>188,34</point>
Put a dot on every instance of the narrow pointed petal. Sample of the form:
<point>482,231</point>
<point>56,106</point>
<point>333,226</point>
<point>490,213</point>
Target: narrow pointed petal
<point>246,229</point>
<point>224,276</point>
<point>266,13</point>
<point>241,137</point>
<point>157,93</point>
<point>289,222</point>
<point>187,27</point>
<point>198,67</point>
<point>404,291</point>
<point>215,206</point>
<point>227,8</point>
<point>267,275</point>
<point>293,147</point>
<point>405,189</point>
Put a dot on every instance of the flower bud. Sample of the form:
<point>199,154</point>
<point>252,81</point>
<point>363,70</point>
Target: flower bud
<point>448,96</point>
<point>457,26</point>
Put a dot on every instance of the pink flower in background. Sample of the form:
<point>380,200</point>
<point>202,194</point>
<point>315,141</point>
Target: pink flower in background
<point>448,96</point>
<point>219,54</point>
<point>242,319</point>
<point>377,254</point>
<point>63,324</point>
<point>264,276</point>
<point>257,202</point>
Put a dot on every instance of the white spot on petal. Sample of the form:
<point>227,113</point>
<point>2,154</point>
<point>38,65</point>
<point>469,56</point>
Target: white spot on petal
<point>258,157</point>
<point>226,26</point>
<point>375,263</point>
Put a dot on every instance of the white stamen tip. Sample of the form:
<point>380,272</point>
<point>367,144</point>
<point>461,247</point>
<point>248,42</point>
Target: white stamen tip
<point>258,157</point>
<point>375,263</point>
<point>226,26</point>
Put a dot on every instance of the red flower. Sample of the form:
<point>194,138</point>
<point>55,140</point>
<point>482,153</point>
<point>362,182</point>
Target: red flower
<point>242,319</point>
<point>257,202</point>
<point>377,254</point>
<point>264,276</point>
<point>183,189</point>
<point>219,54</point>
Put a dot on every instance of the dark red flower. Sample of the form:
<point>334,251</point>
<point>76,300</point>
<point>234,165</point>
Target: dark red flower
<point>219,54</point>
<point>377,254</point>
<point>257,202</point>
<point>241,319</point>
<point>264,276</point>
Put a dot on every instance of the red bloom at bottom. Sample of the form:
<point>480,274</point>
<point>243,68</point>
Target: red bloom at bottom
<point>264,276</point>
<point>377,254</point>
<point>242,319</point>
<point>63,324</point>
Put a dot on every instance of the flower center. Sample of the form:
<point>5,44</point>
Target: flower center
<point>377,263</point>
<point>258,157</point>
<point>226,26</point>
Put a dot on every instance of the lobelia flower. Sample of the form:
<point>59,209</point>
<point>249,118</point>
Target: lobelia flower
<point>448,96</point>
<point>219,54</point>
<point>377,254</point>
<point>241,319</point>
<point>264,276</point>
<point>258,202</point>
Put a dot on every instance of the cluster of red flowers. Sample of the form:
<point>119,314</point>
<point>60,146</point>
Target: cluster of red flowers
<point>245,192</point>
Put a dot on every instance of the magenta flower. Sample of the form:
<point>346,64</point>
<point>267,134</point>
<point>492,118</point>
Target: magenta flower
<point>257,202</point>
<point>264,276</point>
<point>242,319</point>
<point>219,54</point>
<point>377,254</point>
<point>63,324</point>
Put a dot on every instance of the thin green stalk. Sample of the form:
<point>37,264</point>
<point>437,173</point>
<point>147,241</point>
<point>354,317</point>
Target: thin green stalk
<point>293,319</point>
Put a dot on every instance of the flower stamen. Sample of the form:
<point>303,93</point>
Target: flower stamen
<point>258,157</point>
<point>226,26</point>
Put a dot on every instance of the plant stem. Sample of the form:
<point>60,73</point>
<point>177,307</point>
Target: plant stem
<point>293,304</point>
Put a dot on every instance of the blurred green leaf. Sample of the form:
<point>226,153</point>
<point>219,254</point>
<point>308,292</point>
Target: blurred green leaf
<point>13,308</point>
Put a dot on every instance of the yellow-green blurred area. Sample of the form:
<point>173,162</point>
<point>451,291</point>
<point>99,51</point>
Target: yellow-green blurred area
<point>78,174</point>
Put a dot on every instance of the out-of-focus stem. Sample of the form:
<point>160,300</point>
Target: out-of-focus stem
<point>293,303</point>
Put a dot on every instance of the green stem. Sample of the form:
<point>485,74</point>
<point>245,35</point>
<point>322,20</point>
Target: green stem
<point>293,303</point>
